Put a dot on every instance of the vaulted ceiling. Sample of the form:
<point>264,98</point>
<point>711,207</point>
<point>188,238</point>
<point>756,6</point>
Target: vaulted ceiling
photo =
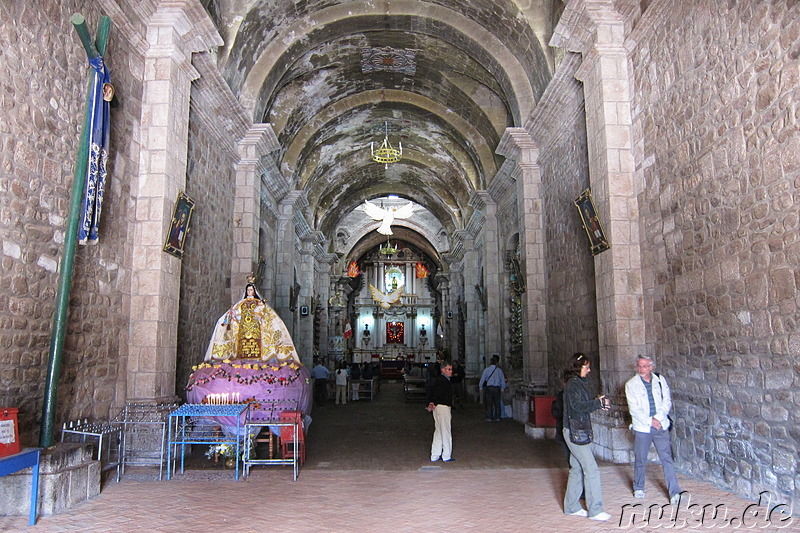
<point>444,77</point>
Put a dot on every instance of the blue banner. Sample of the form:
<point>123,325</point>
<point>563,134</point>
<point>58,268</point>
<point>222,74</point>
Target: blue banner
<point>99,111</point>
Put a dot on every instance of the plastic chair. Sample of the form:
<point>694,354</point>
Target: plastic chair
<point>288,446</point>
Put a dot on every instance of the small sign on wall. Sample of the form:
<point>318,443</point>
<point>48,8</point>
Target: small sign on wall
<point>7,432</point>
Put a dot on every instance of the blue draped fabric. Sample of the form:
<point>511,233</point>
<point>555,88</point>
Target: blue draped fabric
<point>99,110</point>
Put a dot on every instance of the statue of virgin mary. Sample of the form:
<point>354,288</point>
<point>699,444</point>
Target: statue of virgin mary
<point>251,359</point>
<point>251,329</point>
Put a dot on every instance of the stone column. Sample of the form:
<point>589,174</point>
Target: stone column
<point>176,30</point>
<point>286,256</point>
<point>492,261</point>
<point>256,143</point>
<point>324,271</point>
<point>606,76</point>
<point>447,310</point>
<point>303,331</point>
<point>518,146</point>
<point>473,336</point>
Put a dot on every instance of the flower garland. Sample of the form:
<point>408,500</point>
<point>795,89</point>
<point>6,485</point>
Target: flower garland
<point>221,372</point>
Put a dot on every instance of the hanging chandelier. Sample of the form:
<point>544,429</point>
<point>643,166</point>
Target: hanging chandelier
<point>386,153</point>
<point>388,249</point>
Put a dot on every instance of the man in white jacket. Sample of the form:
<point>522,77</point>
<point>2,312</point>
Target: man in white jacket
<point>649,403</point>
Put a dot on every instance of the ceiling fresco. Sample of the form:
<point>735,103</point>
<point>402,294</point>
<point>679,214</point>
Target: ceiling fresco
<point>444,78</point>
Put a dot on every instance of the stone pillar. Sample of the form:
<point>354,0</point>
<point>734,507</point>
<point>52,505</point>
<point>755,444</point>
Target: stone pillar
<point>175,31</point>
<point>324,271</point>
<point>447,318</point>
<point>257,142</point>
<point>492,262</point>
<point>606,76</point>
<point>454,283</point>
<point>518,146</point>
<point>286,256</point>
<point>473,334</point>
<point>303,331</point>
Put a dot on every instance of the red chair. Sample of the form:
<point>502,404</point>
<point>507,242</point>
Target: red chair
<point>288,446</point>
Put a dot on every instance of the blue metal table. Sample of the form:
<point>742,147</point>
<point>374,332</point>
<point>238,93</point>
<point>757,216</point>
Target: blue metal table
<point>184,430</point>
<point>29,457</point>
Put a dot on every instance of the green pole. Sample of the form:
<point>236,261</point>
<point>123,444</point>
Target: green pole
<point>70,239</point>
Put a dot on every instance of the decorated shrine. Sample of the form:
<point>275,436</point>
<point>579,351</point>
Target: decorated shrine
<point>394,305</point>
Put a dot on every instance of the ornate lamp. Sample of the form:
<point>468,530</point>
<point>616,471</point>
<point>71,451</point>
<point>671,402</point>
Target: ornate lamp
<point>386,153</point>
<point>388,249</point>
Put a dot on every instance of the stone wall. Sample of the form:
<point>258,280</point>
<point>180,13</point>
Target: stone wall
<point>206,290</point>
<point>560,132</point>
<point>43,70</point>
<point>716,92</point>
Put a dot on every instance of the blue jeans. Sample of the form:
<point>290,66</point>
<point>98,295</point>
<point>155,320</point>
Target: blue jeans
<point>641,445</point>
<point>492,401</point>
<point>583,476</point>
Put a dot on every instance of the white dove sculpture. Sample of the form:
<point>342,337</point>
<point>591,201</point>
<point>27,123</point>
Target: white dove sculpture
<point>386,300</point>
<point>387,216</point>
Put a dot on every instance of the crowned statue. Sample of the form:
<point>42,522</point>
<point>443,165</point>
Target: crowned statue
<point>251,358</point>
<point>251,329</point>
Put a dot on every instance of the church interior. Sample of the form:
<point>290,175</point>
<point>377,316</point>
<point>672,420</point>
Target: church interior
<point>405,181</point>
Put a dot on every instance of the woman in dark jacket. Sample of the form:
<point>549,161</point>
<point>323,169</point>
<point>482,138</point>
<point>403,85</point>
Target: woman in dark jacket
<point>583,473</point>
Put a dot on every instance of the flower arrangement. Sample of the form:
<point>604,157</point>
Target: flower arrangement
<point>228,451</point>
<point>225,450</point>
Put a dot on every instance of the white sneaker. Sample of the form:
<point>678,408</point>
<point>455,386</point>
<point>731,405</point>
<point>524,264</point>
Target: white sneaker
<point>675,499</point>
<point>600,516</point>
<point>638,494</point>
<point>581,512</point>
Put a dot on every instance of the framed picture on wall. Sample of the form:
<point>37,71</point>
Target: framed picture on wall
<point>179,225</point>
<point>591,223</point>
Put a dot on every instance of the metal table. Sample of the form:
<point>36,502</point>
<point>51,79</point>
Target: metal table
<point>144,434</point>
<point>264,415</point>
<point>103,432</point>
<point>182,430</point>
<point>249,455</point>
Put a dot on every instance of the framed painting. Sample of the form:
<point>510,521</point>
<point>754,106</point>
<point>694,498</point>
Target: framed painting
<point>591,223</point>
<point>395,332</point>
<point>179,225</point>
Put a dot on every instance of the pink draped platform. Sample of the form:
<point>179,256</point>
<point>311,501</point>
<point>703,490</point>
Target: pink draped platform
<point>254,381</point>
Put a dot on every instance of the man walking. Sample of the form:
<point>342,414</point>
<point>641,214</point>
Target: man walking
<point>492,383</point>
<point>440,403</point>
<point>320,373</point>
<point>649,403</point>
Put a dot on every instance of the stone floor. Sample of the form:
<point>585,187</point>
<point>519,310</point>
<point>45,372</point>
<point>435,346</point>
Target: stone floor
<point>368,470</point>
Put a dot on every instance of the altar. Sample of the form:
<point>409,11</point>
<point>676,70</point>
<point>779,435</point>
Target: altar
<point>394,308</point>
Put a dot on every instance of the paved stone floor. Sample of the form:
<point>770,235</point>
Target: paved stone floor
<point>368,470</point>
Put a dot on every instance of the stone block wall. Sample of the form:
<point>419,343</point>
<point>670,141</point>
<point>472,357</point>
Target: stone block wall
<point>43,69</point>
<point>716,108</point>
<point>571,306</point>
<point>206,290</point>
